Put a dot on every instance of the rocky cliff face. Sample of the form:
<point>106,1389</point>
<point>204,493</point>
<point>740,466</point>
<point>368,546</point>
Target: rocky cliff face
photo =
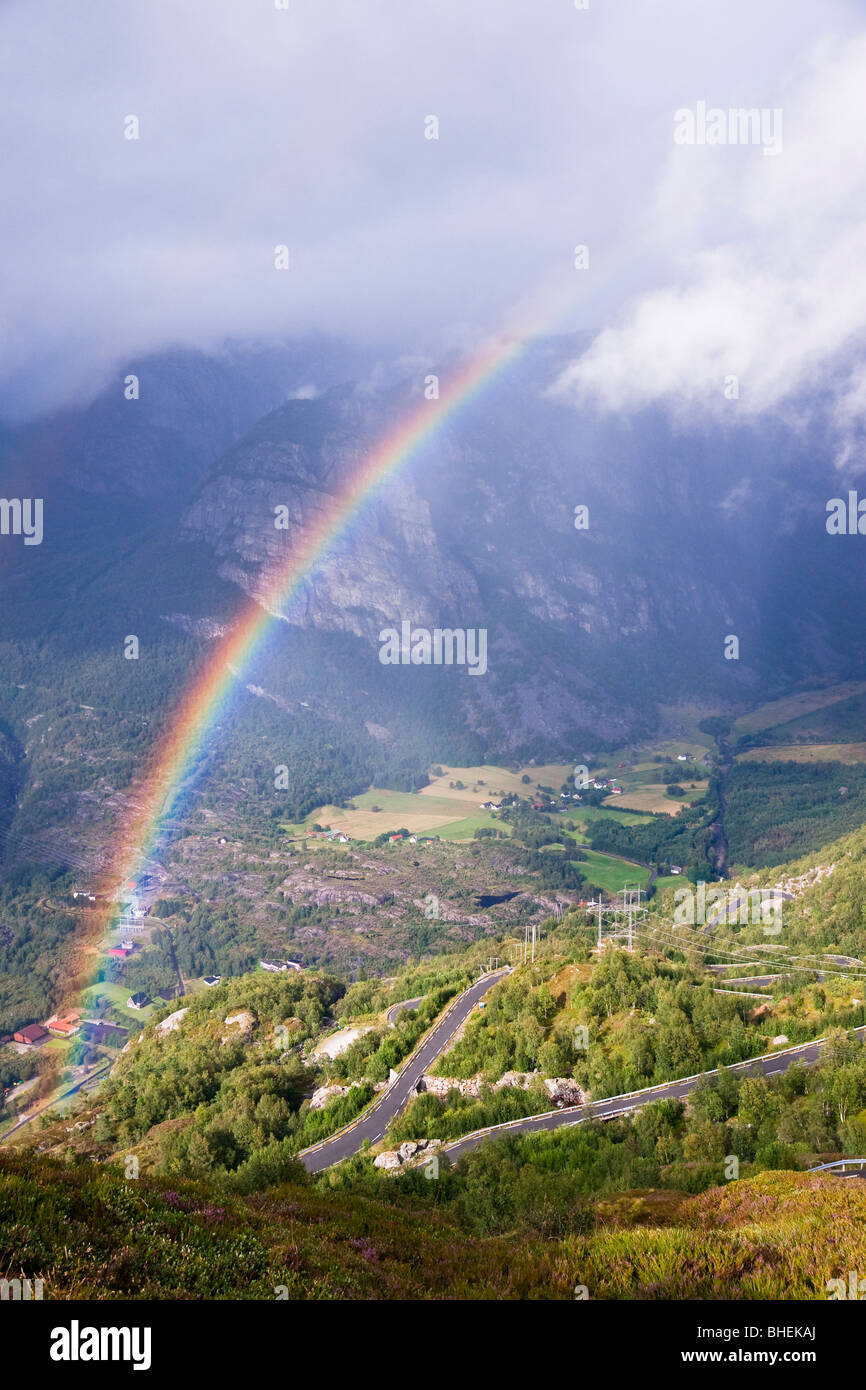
<point>584,626</point>
<point>691,536</point>
<point>391,561</point>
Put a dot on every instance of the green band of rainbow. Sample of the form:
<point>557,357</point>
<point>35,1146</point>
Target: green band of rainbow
<point>192,723</point>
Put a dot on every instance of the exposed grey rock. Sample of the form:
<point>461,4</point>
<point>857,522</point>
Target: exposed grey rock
<point>388,1161</point>
<point>321,1096</point>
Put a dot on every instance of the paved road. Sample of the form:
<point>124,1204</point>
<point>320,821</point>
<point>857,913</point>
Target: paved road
<point>394,1100</point>
<point>756,979</point>
<point>85,1080</point>
<point>742,994</point>
<point>407,1004</point>
<point>729,910</point>
<point>807,1053</point>
<point>736,965</point>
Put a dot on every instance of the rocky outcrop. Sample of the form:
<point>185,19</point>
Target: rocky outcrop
<point>209,628</point>
<point>562,1090</point>
<point>241,1024</point>
<point>324,1094</point>
<point>439,1086</point>
<point>410,1154</point>
<point>523,1079</point>
<point>320,1097</point>
<point>170,1024</point>
<point>798,883</point>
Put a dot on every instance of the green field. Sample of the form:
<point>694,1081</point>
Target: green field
<point>806,753</point>
<point>611,874</point>
<point>670,881</point>
<point>464,829</point>
<point>421,814</point>
<point>591,813</point>
<point>117,995</point>
<point>793,707</point>
<point>453,813</point>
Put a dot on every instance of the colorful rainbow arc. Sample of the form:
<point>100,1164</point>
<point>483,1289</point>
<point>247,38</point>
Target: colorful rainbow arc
<point>200,708</point>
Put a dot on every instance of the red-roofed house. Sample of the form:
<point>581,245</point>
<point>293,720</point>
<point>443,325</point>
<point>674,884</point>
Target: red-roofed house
<point>64,1025</point>
<point>33,1034</point>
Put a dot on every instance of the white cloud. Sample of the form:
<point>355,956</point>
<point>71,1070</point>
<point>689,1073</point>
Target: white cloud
<point>767,276</point>
<point>306,127</point>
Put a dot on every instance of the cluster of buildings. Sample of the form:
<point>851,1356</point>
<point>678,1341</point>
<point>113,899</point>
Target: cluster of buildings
<point>64,1025</point>
<point>68,1025</point>
<point>123,951</point>
<point>280,967</point>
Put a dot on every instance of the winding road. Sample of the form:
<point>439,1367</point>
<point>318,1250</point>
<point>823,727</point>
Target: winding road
<point>49,1105</point>
<point>407,1004</point>
<point>373,1122</point>
<point>768,1065</point>
<point>754,897</point>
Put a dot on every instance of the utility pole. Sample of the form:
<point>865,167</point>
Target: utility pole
<point>533,942</point>
<point>627,904</point>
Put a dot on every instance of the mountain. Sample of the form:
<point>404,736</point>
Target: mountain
<point>159,521</point>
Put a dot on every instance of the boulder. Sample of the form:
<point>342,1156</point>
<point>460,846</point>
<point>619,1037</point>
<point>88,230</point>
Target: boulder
<point>564,1090</point>
<point>410,1154</point>
<point>388,1161</point>
<point>324,1094</point>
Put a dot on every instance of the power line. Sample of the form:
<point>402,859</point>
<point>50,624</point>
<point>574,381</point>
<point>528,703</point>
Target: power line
<point>676,943</point>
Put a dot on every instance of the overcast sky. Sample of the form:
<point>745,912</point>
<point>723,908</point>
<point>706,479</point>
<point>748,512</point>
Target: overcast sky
<point>306,127</point>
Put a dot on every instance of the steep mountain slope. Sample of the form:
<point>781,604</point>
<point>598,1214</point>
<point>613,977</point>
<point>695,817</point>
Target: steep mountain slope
<point>159,521</point>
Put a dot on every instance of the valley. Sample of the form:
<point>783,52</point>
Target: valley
<point>775,1086</point>
<point>432,678</point>
<point>353,835</point>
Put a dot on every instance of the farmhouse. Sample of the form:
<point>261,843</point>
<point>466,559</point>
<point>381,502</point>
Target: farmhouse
<point>138,1000</point>
<point>32,1035</point>
<point>64,1025</point>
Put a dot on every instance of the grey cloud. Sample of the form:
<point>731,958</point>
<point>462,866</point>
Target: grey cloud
<point>306,127</point>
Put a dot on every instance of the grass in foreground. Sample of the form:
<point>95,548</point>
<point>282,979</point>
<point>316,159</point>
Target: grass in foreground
<point>90,1233</point>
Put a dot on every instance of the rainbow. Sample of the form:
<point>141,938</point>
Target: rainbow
<point>192,724</point>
